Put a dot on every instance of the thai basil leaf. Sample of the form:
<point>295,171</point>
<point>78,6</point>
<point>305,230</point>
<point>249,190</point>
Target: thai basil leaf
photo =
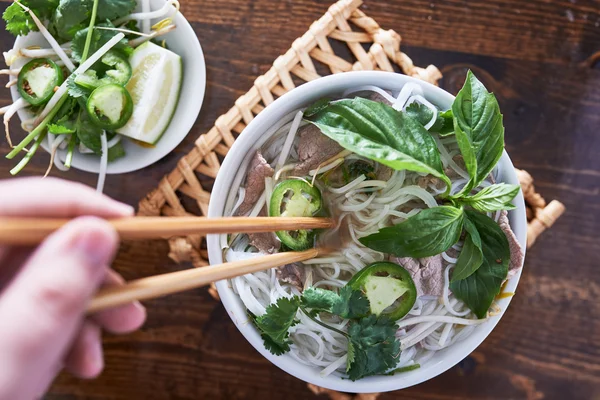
<point>447,127</point>
<point>378,132</point>
<point>428,233</point>
<point>471,255</point>
<point>493,198</point>
<point>317,106</point>
<point>443,124</point>
<point>479,130</point>
<point>480,288</point>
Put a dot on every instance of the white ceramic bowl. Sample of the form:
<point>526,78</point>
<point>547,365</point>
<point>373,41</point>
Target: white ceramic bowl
<point>252,138</point>
<point>182,41</point>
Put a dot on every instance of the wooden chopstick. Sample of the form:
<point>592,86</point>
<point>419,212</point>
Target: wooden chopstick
<point>30,231</point>
<point>161,285</point>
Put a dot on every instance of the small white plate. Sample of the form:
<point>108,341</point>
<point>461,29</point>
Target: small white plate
<point>182,41</point>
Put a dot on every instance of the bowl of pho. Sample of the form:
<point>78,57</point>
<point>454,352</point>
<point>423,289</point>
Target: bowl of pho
<point>430,235</point>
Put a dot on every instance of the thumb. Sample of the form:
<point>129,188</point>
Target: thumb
<point>44,306</point>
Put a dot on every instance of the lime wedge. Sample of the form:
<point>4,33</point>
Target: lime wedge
<point>154,87</point>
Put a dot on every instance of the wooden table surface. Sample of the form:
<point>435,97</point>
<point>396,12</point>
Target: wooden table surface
<point>537,57</point>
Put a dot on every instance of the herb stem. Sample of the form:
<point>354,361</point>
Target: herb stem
<point>29,154</point>
<point>324,324</point>
<point>38,129</point>
<point>88,38</point>
<point>71,149</point>
<point>404,369</point>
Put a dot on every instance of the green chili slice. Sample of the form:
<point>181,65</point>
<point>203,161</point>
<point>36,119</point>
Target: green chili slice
<point>110,107</point>
<point>119,72</point>
<point>295,198</point>
<point>37,80</point>
<point>389,288</point>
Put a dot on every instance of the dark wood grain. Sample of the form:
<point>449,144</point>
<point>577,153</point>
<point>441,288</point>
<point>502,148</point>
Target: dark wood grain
<point>532,54</point>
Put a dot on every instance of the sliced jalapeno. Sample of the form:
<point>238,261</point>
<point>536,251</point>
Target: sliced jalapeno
<point>37,80</point>
<point>110,107</point>
<point>389,288</point>
<point>295,198</point>
<point>119,72</point>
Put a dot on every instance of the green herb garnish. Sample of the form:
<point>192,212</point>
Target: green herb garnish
<point>378,132</point>
<point>398,139</point>
<point>372,345</point>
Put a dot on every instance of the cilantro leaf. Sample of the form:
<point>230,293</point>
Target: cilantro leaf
<point>65,128</point>
<point>319,299</point>
<point>19,22</point>
<point>88,133</point>
<point>71,16</point>
<point>348,304</point>
<point>113,9</point>
<point>373,348</point>
<point>77,91</point>
<point>352,304</point>
<point>276,322</point>
<point>99,38</point>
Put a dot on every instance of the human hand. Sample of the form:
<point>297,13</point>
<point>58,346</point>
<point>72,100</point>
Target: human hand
<point>44,291</point>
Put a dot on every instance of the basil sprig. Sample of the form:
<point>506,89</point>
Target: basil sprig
<point>479,130</point>
<point>492,198</point>
<point>379,132</point>
<point>399,140</point>
<point>479,289</point>
<point>430,232</point>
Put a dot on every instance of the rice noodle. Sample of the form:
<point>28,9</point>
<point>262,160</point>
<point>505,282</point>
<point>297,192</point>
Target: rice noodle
<point>8,113</point>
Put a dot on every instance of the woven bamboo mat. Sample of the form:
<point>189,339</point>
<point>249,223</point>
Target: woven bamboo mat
<point>311,56</point>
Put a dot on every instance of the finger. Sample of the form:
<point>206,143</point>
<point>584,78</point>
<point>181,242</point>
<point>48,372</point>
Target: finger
<point>123,319</point>
<point>85,358</point>
<point>36,197</point>
<point>46,301</point>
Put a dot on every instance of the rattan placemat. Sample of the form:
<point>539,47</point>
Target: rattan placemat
<point>322,50</point>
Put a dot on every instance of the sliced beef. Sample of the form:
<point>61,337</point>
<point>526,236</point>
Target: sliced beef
<point>314,148</point>
<point>293,274</point>
<point>425,181</point>
<point>459,160</point>
<point>384,173</point>
<point>516,251</point>
<point>258,170</point>
<point>427,273</point>
<point>265,242</point>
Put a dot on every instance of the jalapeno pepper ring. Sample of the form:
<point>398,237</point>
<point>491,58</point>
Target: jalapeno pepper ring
<point>37,80</point>
<point>110,107</point>
<point>389,288</point>
<point>119,74</point>
<point>295,198</point>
